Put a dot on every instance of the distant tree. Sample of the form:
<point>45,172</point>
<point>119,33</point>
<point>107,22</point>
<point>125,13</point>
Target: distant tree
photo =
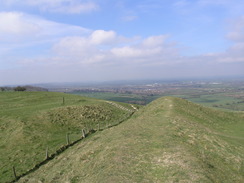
<point>19,88</point>
<point>2,89</point>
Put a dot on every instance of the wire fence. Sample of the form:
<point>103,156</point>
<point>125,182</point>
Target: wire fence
<point>84,133</point>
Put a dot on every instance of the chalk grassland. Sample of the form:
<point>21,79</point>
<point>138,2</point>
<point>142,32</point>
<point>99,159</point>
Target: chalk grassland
<point>169,140</point>
<point>31,122</point>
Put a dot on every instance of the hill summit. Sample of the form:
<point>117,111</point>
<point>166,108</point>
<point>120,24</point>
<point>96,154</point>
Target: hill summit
<point>169,140</point>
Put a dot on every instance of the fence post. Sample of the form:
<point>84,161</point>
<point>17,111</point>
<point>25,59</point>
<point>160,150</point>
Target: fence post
<point>47,153</point>
<point>83,133</point>
<point>14,171</point>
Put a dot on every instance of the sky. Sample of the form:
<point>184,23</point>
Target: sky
<point>45,41</point>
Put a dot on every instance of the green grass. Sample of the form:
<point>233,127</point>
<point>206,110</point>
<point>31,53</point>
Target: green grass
<point>169,140</point>
<point>217,100</point>
<point>228,101</point>
<point>32,121</point>
<point>127,98</point>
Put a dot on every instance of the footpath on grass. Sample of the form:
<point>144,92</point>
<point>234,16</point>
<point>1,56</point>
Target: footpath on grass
<point>122,107</point>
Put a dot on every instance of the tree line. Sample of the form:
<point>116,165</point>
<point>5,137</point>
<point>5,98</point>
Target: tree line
<point>22,88</point>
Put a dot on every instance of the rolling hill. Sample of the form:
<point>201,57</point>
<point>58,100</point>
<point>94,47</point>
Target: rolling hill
<point>169,140</point>
<point>35,125</point>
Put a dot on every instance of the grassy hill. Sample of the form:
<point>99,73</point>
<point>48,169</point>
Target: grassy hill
<point>31,122</point>
<point>169,140</point>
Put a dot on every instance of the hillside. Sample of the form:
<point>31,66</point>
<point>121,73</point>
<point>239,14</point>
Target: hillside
<point>169,140</point>
<point>33,122</point>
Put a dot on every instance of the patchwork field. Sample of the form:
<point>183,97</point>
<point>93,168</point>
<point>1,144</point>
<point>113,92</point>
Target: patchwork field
<point>223,100</point>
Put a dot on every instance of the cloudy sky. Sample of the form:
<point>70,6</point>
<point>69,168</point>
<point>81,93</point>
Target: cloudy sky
<point>44,41</point>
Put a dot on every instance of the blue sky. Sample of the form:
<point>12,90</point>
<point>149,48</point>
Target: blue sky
<point>44,41</point>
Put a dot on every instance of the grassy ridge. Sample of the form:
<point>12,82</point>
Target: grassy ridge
<point>32,121</point>
<point>170,140</point>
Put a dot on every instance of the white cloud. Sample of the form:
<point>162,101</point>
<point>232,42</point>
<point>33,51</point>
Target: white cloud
<point>147,54</point>
<point>234,54</point>
<point>154,50</point>
<point>26,40</point>
<point>57,6</point>
<point>153,41</point>
<point>71,45</point>
<point>102,37</point>
<point>128,52</point>
<point>46,48</point>
<point>16,23</point>
<point>237,30</point>
<point>79,50</point>
<point>97,48</point>
<point>75,49</point>
<point>24,31</point>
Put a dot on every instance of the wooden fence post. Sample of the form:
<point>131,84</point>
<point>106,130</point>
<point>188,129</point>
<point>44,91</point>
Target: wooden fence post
<point>47,153</point>
<point>14,171</point>
<point>83,133</point>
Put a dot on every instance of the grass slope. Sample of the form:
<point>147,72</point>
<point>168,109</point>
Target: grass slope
<point>30,122</point>
<point>170,140</point>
